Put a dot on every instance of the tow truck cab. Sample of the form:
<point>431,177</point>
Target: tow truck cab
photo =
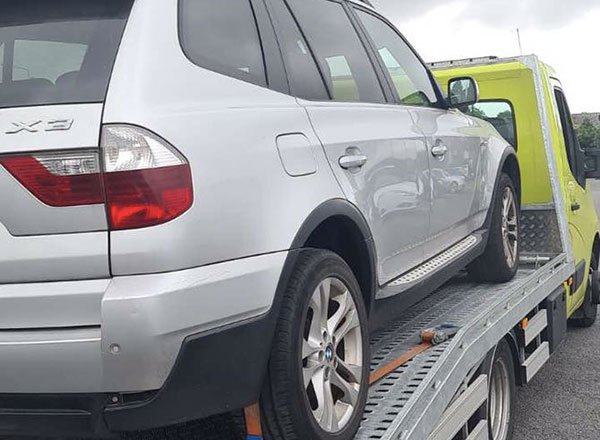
<point>508,101</point>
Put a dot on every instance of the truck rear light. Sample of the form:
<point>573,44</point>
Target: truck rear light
<point>59,180</point>
<point>146,180</point>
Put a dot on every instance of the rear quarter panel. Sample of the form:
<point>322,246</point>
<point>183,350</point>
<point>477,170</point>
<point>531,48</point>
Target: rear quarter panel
<point>245,202</point>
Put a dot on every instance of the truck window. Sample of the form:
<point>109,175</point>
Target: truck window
<point>575,154</point>
<point>341,55</point>
<point>498,113</point>
<point>209,41</point>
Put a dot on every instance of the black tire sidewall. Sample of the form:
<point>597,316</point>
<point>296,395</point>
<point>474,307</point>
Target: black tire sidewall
<point>492,266</point>
<point>321,265</point>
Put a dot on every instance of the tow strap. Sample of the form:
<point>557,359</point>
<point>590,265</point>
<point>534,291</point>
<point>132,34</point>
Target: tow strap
<point>429,338</point>
<point>253,424</point>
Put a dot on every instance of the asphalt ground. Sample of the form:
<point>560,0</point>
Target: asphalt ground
<point>563,400</point>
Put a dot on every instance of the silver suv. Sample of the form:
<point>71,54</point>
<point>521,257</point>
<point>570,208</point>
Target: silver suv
<point>211,203</point>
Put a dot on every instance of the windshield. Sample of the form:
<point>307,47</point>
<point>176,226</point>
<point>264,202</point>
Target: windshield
<point>58,52</point>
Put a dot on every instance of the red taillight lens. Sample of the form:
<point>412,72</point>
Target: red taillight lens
<point>144,181</point>
<point>147,181</point>
<point>78,182</point>
<point>141,198</point>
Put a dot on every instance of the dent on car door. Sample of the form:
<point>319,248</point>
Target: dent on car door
<point>452,139</point>
<point>376,153</point>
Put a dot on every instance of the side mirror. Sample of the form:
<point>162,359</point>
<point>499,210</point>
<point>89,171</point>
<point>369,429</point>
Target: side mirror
<point>592,164</point>
<point>462,92</point>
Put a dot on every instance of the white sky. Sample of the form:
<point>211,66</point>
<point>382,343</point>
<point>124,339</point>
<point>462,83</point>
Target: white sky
<point>564,33</point>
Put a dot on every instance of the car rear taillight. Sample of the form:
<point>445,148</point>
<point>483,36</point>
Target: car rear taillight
<point>60,180</point>
<point>147,181</point>
<point>144,181</point>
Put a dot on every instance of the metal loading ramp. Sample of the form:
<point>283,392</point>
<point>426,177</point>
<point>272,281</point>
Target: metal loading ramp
<point>403,405</point>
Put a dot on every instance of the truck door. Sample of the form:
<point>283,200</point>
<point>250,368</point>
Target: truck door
<point>578,200</point>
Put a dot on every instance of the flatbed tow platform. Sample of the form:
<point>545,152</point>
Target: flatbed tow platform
<point>448,382</point>
<point>402,405</point>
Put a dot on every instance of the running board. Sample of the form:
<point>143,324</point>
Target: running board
<point>430,267</point>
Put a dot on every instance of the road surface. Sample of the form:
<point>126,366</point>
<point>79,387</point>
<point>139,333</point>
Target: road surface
<point>563,400</point>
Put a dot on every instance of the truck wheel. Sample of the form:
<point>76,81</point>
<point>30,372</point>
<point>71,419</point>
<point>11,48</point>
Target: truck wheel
<point>501,396</point>
<point>500,260</point>
<point>586,315</point>
<point>317,381</point>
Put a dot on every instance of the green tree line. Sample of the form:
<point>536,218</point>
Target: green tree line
<point>588,134</point>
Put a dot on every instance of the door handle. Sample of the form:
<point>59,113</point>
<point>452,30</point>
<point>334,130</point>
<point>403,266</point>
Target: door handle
<point>439,150</point>
<point>575,206</point>
<point>350,161</point>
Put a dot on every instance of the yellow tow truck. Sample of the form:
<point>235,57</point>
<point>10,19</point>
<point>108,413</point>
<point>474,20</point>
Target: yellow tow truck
<point>508,90</point>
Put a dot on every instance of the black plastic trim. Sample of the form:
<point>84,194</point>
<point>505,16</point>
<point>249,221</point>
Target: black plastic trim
<point>329,209</point>
<point>342,209</point>
<point>578,277</point>
<point>53,416</point>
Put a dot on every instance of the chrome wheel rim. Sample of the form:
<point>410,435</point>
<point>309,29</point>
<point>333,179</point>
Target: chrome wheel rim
<point>500,410</point>
<point>510,226</point>
<point>332,360</point>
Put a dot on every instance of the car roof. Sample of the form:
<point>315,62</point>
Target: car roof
<point>365,3</point>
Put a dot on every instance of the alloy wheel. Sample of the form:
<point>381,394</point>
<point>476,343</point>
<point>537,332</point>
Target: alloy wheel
<point>510,226</point>
<point>332,363</point>
<point>499,401</point>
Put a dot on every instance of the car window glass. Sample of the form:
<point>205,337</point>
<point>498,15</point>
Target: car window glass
<point>346,67</point>
<point>59,52</point>
<point>302,71</point>
<point>574,153</point>
<point>1,61</point>
<point>409,76</point>
<point>498,113</point>
<point>47,60</point>
<point>222,36</point>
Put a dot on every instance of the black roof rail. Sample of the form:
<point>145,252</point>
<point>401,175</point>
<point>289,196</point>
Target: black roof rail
<point>367,2</point>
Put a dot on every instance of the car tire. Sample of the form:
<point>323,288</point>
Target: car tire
<point>500,260</point>
<point>316,376</point>
<point>585,316</point>
<point>501,394</point>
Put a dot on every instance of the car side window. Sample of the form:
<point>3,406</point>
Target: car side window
<point>409,76</point>
<point>574,152</point>
<point>302,70</point>
<point>341,55</point>
<point>1,62</point>
<point>223,36</point>
<point>498,113</point>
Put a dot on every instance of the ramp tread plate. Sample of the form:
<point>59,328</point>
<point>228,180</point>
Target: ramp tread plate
<point>456,303</point>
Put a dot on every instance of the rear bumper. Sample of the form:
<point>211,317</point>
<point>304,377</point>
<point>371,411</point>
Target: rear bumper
<point>201,337</point>
<point>215,373</point>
